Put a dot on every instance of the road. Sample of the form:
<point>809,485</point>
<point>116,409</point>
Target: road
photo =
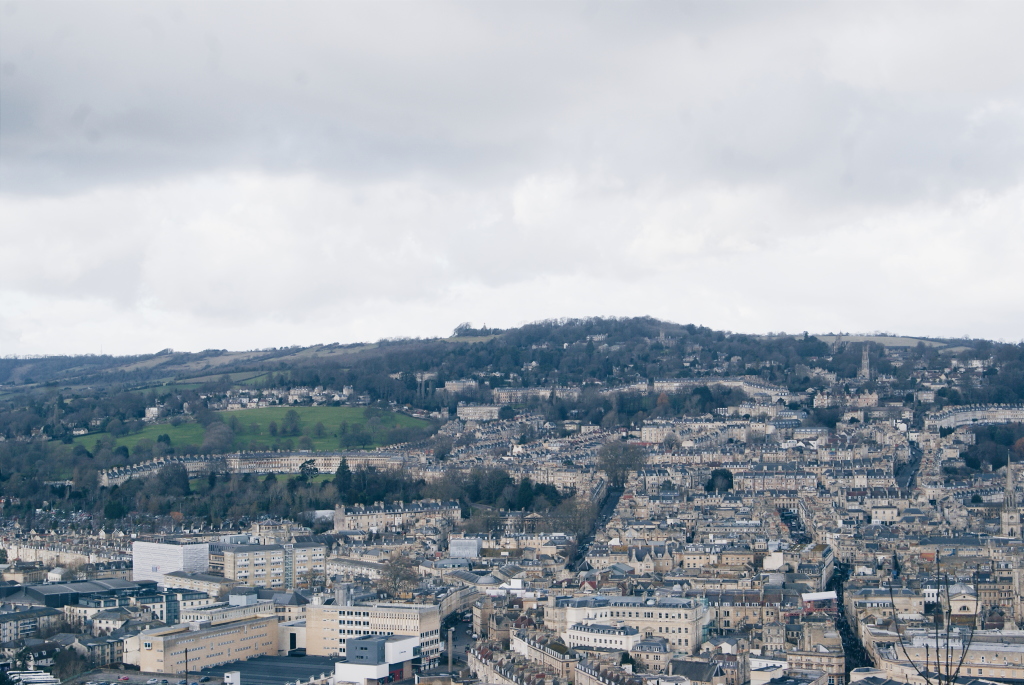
<point>856,655</point>
<point>792,521</point>
<point>461,639</point>
<point>905,473</point>
<point>611,500</point>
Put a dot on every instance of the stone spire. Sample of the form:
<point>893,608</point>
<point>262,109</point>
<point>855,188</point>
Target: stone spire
<point>1009,518</point>
<point>865,364</point>
<point>1010,490</point>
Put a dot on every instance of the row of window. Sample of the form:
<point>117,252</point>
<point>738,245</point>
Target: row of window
<point>646,614</point>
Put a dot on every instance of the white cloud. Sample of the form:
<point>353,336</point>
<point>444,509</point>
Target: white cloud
<point>254,260</point>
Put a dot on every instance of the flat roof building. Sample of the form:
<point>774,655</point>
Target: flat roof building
<point>375,659</point>
<point>329,626</point>
<point>164,650</point>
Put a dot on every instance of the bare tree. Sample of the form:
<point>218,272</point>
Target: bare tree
<point>619,459</point>
<point>314,579</point>
<point>942,666</point>
<point>396,575</point>
<point>575,516</point>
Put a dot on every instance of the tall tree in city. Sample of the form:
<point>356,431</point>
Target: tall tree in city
<point>68,663</point>
<point>396,575</point>
<point>308,469</point>
<point>618,459</point>
<point>575,515</point>
<point>173,480</point>
<point>343,477</point>
<point>292,424</point>
<point>720,481</point>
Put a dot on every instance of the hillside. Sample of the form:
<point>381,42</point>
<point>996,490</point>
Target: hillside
<point>47,403</point>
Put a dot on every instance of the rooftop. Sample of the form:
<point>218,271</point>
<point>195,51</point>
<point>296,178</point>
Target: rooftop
<point>276,670</point>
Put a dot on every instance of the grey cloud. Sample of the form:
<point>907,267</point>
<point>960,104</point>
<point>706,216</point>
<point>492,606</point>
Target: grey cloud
<point>223,174</point>
<point>134,92</point>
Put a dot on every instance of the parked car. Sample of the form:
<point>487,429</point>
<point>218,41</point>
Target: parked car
<point>152,681</point>
<point>205,679</point>
<point>182,682</point>
<point>124,678</point>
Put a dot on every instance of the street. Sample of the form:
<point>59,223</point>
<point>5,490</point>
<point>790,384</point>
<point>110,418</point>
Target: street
<point>460,640</point>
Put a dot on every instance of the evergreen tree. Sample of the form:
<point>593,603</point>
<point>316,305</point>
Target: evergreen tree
<point>343,478</point>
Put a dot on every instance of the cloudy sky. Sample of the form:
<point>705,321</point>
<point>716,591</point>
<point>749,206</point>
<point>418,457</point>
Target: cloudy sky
<point>244,175</point>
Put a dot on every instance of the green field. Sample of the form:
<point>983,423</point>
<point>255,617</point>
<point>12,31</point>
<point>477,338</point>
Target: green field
<point>184,434</point>
<point>252,428</point>
<point>254,424</point>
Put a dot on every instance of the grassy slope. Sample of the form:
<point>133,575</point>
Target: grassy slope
<point>185,434</point>
<point>331,417</point>
<point>887,340</point>
<point>237,377</point>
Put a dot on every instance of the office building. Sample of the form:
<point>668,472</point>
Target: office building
<point>274,566</point>
<point>329,627</point>
<point>194,646</point>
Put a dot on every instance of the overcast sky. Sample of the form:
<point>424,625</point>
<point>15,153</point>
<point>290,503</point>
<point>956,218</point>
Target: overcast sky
<point>244,175</point>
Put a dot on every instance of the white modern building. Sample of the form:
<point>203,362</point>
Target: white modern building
<point>153,560</point>
<point>464,548</point>
<point>376,659</point>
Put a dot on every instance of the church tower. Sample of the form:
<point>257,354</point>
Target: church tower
<point>865,364</point>
<point>1009,518</point>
